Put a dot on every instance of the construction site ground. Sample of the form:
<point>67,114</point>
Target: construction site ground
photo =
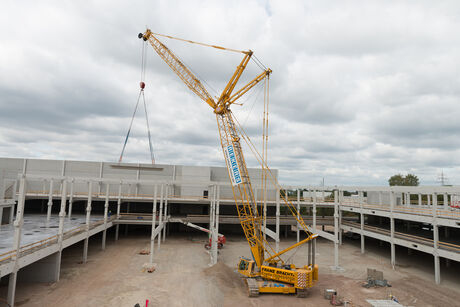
<point>115,277</point>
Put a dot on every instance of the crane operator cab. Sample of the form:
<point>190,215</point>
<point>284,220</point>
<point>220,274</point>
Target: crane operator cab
<point>246,267</point>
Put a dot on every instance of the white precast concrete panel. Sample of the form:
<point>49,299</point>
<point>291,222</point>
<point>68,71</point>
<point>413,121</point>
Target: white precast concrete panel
<point>82,169</point>
<point>195,174</point>
<point>373,197</point>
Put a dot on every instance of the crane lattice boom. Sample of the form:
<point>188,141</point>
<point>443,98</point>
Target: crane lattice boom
<point>250,219</point>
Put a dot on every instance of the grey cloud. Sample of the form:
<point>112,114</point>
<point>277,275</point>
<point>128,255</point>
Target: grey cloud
<point>359,91</point>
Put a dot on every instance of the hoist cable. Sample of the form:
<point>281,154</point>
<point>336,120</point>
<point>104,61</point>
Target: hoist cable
<point>202,44</point>
<point>129,130</point>
<point>141,92</point>
<point>142,61</point>
<point>152,157</point>
<point>257,94</point>
<point>258,62</point>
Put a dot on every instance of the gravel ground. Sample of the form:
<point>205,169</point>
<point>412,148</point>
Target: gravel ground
<point>114,277</point>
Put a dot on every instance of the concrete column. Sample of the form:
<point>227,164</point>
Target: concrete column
<point>62,174</point>
<point>336,230</point>
<point>437,268</point>
<point>50,201</point>
<point>428,199</point>
<point>18,223</point>
<point>138,177</point>
<point>117,227</point>
<point>24,166</point>
<point>419,199</point>
<point>106,211</point>
<point>218,208</point>
<point>62,213</point>
<point>213,227</point>
<point>160,215</point>
<point>445,202</point>
<point>211,213</point>
<point>88,217</point>
<point>72,182</point>
<point>314,212</point>
<point>101,170</point>
<point>57,268</point>
<point>166,211</point>
<point>392,230</point>
<point>154,217</point>
<point>286,199</point>
<point>277,220</point>
<point>435,205</point>
<point>298,215</point>
<point>211,223</point>
<point>340,216</point>
<point>361,215</point>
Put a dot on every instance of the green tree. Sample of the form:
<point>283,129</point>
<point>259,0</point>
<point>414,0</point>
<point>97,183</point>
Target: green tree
<point>411,180</point>
<point>400,180</point>
<point>396,180</point>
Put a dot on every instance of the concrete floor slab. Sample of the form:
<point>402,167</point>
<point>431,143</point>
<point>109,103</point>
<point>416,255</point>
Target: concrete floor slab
<point>36,228</point>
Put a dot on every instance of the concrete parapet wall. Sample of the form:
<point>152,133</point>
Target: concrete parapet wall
<point>126,171</point>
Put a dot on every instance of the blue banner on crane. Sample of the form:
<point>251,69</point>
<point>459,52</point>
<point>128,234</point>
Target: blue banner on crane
<point>233,165</point>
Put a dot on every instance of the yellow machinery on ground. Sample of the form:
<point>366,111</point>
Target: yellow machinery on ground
<point>266,272</point>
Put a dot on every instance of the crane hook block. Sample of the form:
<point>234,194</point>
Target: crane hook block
<point>142,84</point>
<point>140,35</point>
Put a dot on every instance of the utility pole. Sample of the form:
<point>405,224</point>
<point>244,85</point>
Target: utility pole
<point>442,178</point>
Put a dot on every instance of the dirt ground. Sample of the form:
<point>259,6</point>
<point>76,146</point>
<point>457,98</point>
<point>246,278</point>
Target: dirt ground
<point>114,277</point>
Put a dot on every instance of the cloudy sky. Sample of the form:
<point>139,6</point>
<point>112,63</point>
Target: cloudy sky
<point>360,90</point>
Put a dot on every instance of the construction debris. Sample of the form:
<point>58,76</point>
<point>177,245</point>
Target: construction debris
<point>331,295</point>
<point>375,279</point>
<point>328,293</point>
<point>149,267</point>
<point>336,300</point>
<point>144,252</point>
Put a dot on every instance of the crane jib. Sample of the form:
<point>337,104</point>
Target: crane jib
<point>233,165</point>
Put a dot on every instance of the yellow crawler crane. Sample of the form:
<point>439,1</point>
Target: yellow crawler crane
<point>266,272</point>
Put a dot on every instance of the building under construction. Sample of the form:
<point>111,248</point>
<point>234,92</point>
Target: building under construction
<point>47,206</point>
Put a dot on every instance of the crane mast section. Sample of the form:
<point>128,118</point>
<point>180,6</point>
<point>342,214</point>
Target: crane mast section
<point>179,68</point>
<point>284,197</point>
<point>250,220</point>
